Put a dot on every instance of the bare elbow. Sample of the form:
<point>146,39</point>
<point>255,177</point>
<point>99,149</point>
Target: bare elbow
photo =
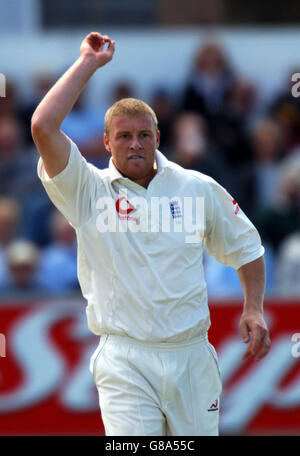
<point>38,127</point>
<point>41,128</point>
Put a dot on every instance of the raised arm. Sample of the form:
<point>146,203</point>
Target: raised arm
<point>53,145</point>
<point>252,277</point>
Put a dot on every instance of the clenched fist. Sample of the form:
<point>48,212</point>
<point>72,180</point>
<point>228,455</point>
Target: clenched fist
<point>92,47</point>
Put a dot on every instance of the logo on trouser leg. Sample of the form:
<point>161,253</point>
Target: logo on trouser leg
<point>214,406</point>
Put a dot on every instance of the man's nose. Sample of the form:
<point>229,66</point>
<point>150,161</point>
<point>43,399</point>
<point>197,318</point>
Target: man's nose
<point>135,144</point>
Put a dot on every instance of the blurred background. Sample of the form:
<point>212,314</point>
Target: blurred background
<point>219,76</point>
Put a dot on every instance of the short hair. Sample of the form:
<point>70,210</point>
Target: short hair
<point>128,107</point>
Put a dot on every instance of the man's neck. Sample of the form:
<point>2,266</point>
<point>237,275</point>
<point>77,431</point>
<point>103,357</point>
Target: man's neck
<point>145,181</point>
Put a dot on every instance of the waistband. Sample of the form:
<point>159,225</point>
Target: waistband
<point>155,345</point>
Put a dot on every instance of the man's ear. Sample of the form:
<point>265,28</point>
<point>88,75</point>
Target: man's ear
<point>157,139</point>
<point>106,143</point>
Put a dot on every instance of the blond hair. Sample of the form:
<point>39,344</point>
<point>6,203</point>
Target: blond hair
<point>131,107</point>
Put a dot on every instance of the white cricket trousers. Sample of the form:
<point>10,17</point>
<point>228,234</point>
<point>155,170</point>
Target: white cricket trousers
<point>157,388</point>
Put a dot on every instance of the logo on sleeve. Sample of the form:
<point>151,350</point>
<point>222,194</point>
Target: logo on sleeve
<point>237,207</point>
<point>234,202</point>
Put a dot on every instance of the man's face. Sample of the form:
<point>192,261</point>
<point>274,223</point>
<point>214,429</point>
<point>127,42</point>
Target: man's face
<point>132,142</point>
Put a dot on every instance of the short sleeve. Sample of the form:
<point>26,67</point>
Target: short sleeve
<point>229,235</point>
<point>73,190</point>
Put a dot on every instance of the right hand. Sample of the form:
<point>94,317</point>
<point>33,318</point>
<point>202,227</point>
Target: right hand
<point>92,47</point>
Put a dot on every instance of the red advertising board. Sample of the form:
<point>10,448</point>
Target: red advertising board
<point>259,397</point>
<point>46,387</point>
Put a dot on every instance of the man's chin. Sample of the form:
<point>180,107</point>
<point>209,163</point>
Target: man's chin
<point>137,170</point>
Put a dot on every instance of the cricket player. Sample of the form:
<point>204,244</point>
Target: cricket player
<point>140,269</point>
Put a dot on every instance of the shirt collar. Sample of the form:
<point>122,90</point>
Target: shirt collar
<point>161,160</point>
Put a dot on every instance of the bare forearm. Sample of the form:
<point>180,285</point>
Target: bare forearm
<point>59,101</point>
<point>253,278</point>
<point>252,323</point>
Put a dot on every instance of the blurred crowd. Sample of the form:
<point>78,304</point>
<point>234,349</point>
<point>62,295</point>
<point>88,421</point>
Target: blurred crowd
<point>216,124</point>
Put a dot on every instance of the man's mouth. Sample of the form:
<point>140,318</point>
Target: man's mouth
<point>135,157</point>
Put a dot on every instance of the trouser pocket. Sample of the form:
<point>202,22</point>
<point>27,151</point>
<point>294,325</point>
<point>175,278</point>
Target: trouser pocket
<point>214,356</point>
<point>97,353</point>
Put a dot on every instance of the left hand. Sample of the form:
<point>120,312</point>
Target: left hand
<point>253,322</point>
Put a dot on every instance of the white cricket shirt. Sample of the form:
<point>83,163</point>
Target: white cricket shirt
<point>140,277</point>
